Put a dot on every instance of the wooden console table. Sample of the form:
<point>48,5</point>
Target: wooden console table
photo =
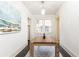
<point>49,41</point>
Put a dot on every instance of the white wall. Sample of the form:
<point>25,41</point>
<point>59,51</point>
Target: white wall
<point>11,44</point>
<point>40,17</point>
<point>69,26</point>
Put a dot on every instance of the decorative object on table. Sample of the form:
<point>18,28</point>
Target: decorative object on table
<point>44,36</point>
<point>10,19</point>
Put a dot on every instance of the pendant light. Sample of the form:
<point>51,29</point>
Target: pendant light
<point>43,10</point>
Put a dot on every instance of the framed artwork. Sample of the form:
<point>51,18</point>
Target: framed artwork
<point>10,19</point>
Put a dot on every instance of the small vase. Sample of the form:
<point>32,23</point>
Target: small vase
<point>44,37</point>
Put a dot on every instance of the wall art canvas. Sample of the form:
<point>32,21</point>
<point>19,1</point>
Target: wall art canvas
<point>10,20</point>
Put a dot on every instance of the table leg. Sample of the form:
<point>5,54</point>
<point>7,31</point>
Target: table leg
<point>57,50</point>
<point>31,50</point>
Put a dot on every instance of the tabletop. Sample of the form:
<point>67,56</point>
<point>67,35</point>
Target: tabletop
<point>46,40</point>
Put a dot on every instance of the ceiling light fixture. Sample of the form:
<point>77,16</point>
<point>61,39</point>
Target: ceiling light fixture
<point>43,11</point>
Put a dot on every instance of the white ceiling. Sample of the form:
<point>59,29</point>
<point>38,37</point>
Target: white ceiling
<point>50,6</point>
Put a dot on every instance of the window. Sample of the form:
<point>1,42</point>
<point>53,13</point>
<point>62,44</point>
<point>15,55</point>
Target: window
<point>43,26</point>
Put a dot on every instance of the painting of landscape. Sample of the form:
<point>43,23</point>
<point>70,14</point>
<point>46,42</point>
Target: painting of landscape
<point>10,20</point>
